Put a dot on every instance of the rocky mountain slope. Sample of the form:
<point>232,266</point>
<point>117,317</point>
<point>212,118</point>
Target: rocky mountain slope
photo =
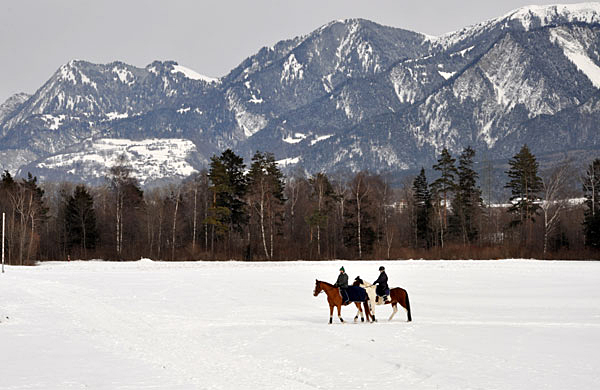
<point>351,95</point>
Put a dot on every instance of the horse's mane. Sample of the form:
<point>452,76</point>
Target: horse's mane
<point>325,283</point>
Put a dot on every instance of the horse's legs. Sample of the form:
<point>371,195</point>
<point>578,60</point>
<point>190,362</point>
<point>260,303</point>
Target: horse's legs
<point>362,318</point>
<point>372,301</point>
<point>367,310</point>
<point>339,307</point>
<point>330,314</point>
<point>372,307</point>
<point>402,299</point>
<point>395,307</point>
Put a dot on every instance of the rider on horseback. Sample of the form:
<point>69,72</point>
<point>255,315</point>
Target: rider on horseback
<point>342,284</point>
<point>382,286</point>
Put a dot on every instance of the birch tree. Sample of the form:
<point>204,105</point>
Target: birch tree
<point>128,200</point>
<point>265,196</point>
<point>554,189</point>
<point>358,227</point>
<point>323,196</point>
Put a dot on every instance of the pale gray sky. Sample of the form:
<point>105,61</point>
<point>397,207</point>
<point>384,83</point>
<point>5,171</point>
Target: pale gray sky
<point>210,37</point>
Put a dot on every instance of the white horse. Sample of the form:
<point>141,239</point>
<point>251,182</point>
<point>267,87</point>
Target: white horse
<point>371,293</point>
<point>397,296</point>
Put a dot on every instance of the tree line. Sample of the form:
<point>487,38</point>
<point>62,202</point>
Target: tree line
<point>255,212</point>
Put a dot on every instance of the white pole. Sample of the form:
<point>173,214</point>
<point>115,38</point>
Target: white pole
<point>3,215</point>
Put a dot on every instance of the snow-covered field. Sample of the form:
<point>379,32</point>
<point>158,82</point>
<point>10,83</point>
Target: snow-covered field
<point>513,324</point>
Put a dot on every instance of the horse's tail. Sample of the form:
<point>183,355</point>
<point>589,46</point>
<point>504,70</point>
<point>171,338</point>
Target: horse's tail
<point>408,307</point>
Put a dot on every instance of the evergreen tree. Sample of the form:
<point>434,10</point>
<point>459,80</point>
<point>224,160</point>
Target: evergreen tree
<point>7,179</point>
<point>467,202</point>
<point>265,197</point>
<point>525,186</point>
<point>7,189</point>
<point>80,221</point>
<point>7,185</point>
<point>422,202</point>
<point>591,190</point>
<point>229,187</point>
<point>443,187</point>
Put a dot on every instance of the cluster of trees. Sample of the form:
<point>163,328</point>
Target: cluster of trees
<point>543,213</point>
<point>231,211</point>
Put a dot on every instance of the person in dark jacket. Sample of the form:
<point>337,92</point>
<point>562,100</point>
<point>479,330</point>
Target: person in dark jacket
<point>382,287</point>
<point>342,284</point>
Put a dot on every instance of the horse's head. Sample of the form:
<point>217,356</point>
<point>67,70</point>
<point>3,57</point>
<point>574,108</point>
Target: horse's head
<point>318,288</point>
<point>357,281</point>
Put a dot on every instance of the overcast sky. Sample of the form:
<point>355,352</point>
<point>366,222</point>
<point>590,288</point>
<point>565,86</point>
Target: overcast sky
<point>210,37</point>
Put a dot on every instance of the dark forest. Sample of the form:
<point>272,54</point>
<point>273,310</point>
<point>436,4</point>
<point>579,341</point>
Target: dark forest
<point>251,211</point>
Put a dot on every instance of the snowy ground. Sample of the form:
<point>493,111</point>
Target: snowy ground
<point>514,324</point>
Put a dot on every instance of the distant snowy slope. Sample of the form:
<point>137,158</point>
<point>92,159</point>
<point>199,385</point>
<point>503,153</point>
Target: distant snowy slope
<point>192,74</point>
<point>150,159</point>
<point>575,51</point>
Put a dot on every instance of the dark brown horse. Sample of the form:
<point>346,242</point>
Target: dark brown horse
<point>398,295</point>
<point>335,300</point>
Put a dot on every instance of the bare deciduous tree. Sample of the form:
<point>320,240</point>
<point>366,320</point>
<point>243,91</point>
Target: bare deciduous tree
<point>554,187</point>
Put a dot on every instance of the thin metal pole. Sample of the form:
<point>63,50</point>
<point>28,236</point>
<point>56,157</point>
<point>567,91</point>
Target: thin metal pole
<point>3,216</point>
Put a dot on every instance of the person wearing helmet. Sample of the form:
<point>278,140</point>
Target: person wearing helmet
<point>342,284</point>
<point>382,289</point>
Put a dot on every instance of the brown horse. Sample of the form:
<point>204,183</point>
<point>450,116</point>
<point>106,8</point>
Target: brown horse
<point>397,295</point>
<point>335,300</point>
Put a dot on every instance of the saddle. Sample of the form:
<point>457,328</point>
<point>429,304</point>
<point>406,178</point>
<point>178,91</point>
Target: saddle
<point>386,292</point>
<point>356,294</point>
<point>379,298</point>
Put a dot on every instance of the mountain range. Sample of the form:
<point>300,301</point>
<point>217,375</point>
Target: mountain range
<point>352,95</point>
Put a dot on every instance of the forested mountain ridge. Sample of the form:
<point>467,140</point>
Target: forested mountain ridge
<point>351,95</point>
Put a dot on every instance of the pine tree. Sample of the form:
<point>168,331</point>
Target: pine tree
<point>591,190</point>
<point>80,220</point>
<point>265,197</point>
<point>443,187</point>
<point>467,202</point>
<point>422,201</point>
<point>227,213</point>
<point>525,186</point>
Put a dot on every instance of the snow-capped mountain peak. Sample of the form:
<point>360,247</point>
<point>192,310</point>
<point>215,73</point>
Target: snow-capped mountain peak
<point>525,18</point>
<point>11,104</point>
<point>544,15</point>
<point>351,95</point>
